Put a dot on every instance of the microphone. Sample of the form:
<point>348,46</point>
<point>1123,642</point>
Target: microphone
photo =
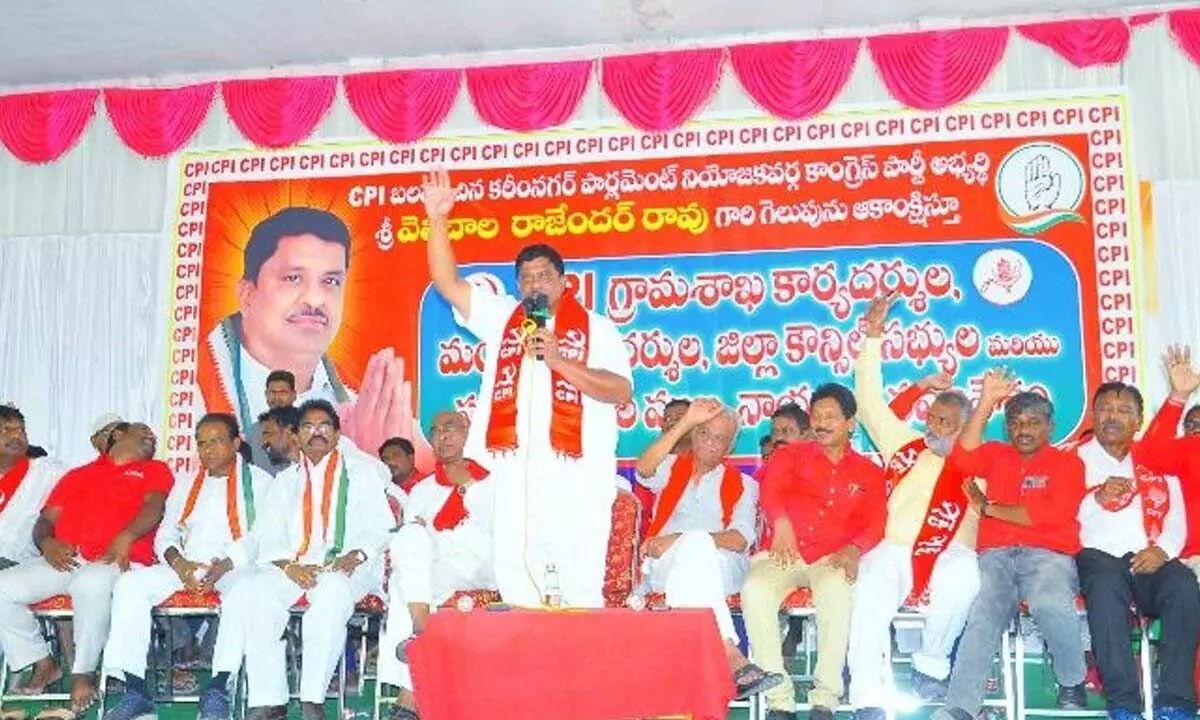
<point>537,309</point>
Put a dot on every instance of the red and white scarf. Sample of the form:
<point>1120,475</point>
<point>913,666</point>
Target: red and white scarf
<point>566,401</point>
<point>944,516</point>
<point>681,474</point>
<point>454,510</point>
<point>1156,500</point>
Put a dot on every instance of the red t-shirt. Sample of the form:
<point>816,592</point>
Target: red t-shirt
<point>1164,453</point>
<point>1048,485</point>
<point>98,500</point>
<point>830,506</point>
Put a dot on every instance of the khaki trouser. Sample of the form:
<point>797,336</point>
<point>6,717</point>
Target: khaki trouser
<point>767,585</point>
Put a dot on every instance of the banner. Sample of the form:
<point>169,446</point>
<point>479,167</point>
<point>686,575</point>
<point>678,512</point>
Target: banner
<point>735,257</point>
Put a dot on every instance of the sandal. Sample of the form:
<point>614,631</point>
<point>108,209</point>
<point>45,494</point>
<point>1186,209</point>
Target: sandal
<point>14,713</point>
<point>750,680</point>
<point>57,713</point>
<point>39,689</point>
<point>399,712</point>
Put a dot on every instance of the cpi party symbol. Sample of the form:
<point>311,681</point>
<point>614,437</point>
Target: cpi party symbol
<point>1039,185</point>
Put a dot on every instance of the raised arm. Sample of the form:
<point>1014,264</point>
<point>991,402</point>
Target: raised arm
<point>996,387</point>
<point>698,413</point>
<point>886,430</point>
<point>439,197</point>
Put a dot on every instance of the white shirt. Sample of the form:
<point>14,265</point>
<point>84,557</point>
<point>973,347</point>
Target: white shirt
<point>606,351</point>
<point>368,519</point>
<point>426,498</point>
<point>700,507</point>
<point>1124,531</point>
<point>207,535</point>
<point>19,512</point>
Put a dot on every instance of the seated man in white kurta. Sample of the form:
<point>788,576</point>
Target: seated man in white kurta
<point>546,420</point>
<point>323,538</point>
<point>203,543</point>
<point>444,545</point>
<point>928,550</point>
<point>696,549</point>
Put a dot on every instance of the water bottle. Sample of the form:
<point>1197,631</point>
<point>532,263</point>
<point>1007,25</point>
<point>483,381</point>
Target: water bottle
<point>552,590</point>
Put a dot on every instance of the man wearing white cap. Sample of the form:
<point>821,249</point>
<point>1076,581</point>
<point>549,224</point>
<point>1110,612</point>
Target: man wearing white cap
<point>102,428</point>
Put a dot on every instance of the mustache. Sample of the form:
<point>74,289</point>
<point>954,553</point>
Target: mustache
<point>308,311</point>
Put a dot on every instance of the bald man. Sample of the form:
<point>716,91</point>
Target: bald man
<point>444,545</point>
<point>697,547</point>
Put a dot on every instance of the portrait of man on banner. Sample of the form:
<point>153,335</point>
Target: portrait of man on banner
<point>290,299</point>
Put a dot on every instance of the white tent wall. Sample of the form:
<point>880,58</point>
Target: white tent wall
<point>84,241</point>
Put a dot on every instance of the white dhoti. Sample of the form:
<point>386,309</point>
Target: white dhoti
<point>254,615</point>
<point>694,573</point>
<point>90,587</point>
<point>543,519</point>
<point>134,597</point>
<point>428,567</point>
<point>884,582</point>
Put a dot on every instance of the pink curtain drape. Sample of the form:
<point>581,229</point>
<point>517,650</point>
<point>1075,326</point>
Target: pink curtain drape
<point>1185,28</point>
<point>41,127</point>
<point>654,91</point>
<point>931,70</point>
<point>1083,43</point>
<point>155,122</point>
<point>526,98</point>
<point>795,80</point>
<point>405,105</point>
<point>278,112</point>
<point>661,91</point>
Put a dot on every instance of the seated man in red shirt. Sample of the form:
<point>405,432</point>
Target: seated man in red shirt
<point>826,506</point>
<point>1163,452</point>
<point>98,520</point>
<point>1028,538</point>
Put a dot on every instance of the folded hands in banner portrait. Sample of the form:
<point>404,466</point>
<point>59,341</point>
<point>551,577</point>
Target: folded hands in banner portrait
<point>384,409</point>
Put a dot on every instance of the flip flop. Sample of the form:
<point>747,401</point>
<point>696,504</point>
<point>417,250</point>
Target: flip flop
<point>58,713</point>
<point>399,712</point>
<point>39,690</point>
<point>14,714</point>
<point>750,680</point>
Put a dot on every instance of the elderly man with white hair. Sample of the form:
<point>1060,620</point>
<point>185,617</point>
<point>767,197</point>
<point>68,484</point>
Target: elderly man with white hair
<point>929,539</point>
<point>696,549</point>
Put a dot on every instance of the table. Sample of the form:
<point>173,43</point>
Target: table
<point>570,665</point>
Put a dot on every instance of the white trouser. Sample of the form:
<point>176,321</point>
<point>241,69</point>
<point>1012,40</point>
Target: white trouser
<point>694,573</point>
<point>133,598</point>
<point>569,520</point>
<point>884,581</point>
<point>254,615</point>
<point>90,587</point>
<point>428,567</point>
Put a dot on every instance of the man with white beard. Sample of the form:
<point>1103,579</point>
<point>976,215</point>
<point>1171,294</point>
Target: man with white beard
<point>929,538</point>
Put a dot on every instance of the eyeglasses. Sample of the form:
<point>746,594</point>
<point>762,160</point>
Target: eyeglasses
<point>324,426</point>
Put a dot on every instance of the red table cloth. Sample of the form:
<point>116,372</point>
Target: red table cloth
<point>570,665</point>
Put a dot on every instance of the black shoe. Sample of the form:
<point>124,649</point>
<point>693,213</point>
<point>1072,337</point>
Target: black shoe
<point>870,713</point>
<point>1072,698</point>
<point>820,713</point>
<point>780,715</point>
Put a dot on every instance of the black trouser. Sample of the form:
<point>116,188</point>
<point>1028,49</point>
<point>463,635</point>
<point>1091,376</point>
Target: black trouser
<point>1170,594</point>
